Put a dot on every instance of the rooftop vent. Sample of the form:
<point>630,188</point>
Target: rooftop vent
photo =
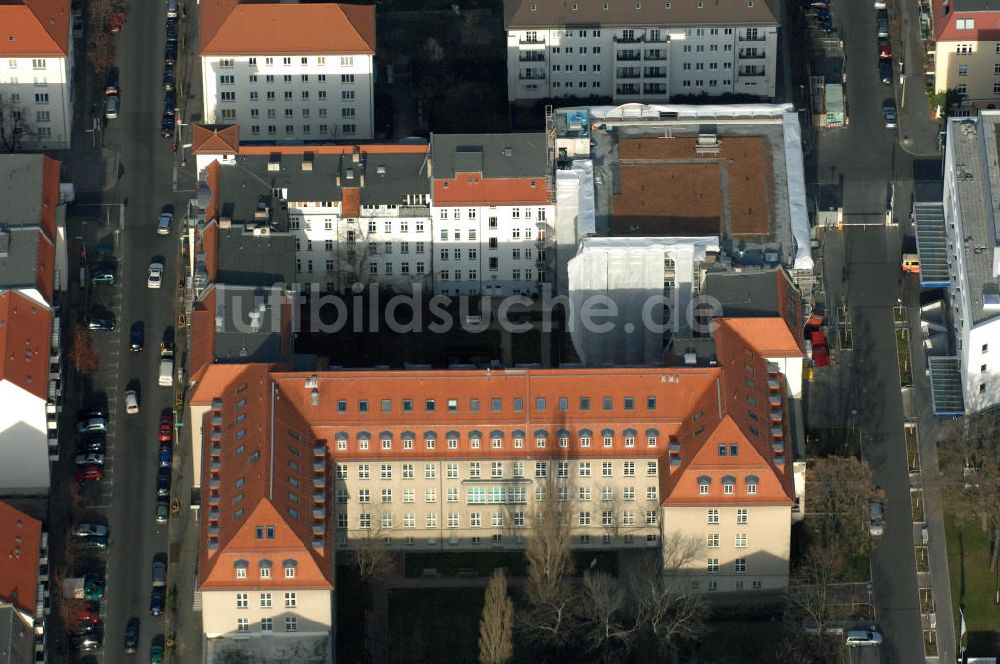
<point>690,359</point>
<point>380,171</point>
<point>255,321</point>
<point>307,161</point>
<point>350,174</point>
<point>274,162</point>
<point>4,243</point>
<point>708,144</point>
<point>220,317</point>
<point>508,152</point>
<point>225,222</point>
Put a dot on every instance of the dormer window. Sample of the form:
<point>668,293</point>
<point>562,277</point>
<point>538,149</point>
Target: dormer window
<point>241,568</point>
<point>704,482</point>
<point>265,569</point>
<point>289,566</point>
<point>728,485</point>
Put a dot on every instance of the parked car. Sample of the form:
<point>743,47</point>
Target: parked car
<point>89,459</point>
<point>167,125</point>
<point>92,441</point>
<point>86,642</point>
<point>157,599</point>
<point>166,456</point>
<point>89,614</point>
<point>92,424</point>
<point>111,82</point>
<point>863,638</point>
<point>131,402</point>
<point>89,474</point>
<point>882,23</point>
<point>156,653</point>
<point>170,53</point>
<point>136,336</point>
<point>88,529</point>
<point>103,275</point>
<point>162,509</point>
<point>163,223</point>
<point>131,636</point>
<point>884,48</point>
<point>159,573</point>
<point>821,13</point>
<point>171,29</point>
<point>111,103</point>
<point>94,542</point>
<point>163,482</point>
<point>101,324</point>
<point>168,78</point>
<point>885,71</point>
<point>169,102</point>
<point>889,115</point>
<point>155,276</point>
<point>166,429</point>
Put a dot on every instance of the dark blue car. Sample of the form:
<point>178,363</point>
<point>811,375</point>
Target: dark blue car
<point>166,456</point>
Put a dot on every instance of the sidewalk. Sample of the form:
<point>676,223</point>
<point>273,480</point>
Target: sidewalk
<point>917,130</point>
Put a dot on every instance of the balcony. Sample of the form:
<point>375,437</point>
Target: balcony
<point>532,41</point>
<point>319,496</point>
<point>774,400</point>
<point>654,89</point>
<point>627,56</point>
<point>627,73</point>
<point>629,39</point>
<point>412,211</point>
<point>627,89</point>
<point>318,528</point>
<point>654,55</point>
<point>319,482</point>
<point>319,512</point>
<point>532,56</point>
<point>752,38</point>
<point>654,72</point>
<point>773,383</point>
<point>749,72</point>
<point>777,415</point>
<point>215,465</point>
<point>319,451</point>
<point>319,466</point>
<point>777,432</point>
<point>217,420</point>
<point>751,54</point>
<point>216,404</point>
<point>216,449</point>
<point>531,76</point>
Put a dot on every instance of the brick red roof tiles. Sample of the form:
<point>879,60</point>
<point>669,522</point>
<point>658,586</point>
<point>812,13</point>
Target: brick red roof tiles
<point>34,28</point>
<point>20,546</point>
<point>215,139</point>
<point>474,189</point>
<point>986,24</point>
<point>25,338</point>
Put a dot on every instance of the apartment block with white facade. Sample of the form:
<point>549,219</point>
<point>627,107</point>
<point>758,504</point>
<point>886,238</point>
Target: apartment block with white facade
<point>640,51</point>
<point>36,75</point>
<point>959,245</point>
<point>493,209</point>
<point>310,79</point>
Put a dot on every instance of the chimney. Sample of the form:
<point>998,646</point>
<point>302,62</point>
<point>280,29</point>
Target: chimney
<point>307,161</point>
<point>274,162</point>
<point>356,154</point>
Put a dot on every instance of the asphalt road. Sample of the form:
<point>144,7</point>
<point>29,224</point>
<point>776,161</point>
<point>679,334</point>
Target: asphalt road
<point>127,496</point>
<point>866,166</point>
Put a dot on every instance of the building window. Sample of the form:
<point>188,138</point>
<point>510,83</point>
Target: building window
<point>963,70</point>
<point>741,540</point>
<point>265,600</point>
<point>266,625</point>
<point>291,624</point>
<point>290,600</point>
<point>712,566</point>
<point>242,625</point>
<point>741,515</point>
<point>740,566</point>
<point>713,541</point>
<point>242,601</point>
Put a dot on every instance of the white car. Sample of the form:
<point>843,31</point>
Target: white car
<point>863,638</point>
<point>91,530</point>
<point>155,278</point>
<point>131,402</point>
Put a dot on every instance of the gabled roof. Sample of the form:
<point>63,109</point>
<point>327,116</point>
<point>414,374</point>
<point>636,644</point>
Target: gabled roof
<point>472,189</point>
<point>232,28</point>
<point>215,139</point>
<point>770,337</point>
<point>25,340</point>
<point>20,547</point>
<point>312,571</point>
<point>984,16</point>
<point>34,28</point>
<point>556,13</point>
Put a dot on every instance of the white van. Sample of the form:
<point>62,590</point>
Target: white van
<point>131,402</point>
<point>876,519</point>
<point>171,8</point>
<point>863,638</point>
<point>166,371</point>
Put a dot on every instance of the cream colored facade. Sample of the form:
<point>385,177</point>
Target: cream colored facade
<point>970,67</point>
<point>261,612</point>
<point>746,547</point>
<point>462,505</point>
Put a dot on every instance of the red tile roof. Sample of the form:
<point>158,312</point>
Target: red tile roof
<point>20,546</point>
<point>203,333</point>
<point>474,189</point>
<point>350,202</point>
<point>946,15</point>
<point>25,339</point>
<point>215,139</point>
<point>34,28</point>
<point>771,337</point>
<point>45,267</point>
<point>50,196</point>
<point>231,28</point>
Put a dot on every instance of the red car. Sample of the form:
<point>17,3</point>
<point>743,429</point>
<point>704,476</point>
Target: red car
<point>89,614</point>
<point>166,429</point>
<point>89,474</point>
<point>884,49</point>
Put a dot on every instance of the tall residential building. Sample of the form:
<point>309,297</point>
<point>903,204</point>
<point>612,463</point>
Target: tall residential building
<point>493,210</point>
<point>966,46</point>
<point>289,72</point>
<point>640,51</point>
<point>959,245</point>
<point>24,592</point>
<point>36,75</point>
<point>32,271</point>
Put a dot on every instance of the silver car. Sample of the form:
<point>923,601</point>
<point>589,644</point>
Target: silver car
<point>163,226</point>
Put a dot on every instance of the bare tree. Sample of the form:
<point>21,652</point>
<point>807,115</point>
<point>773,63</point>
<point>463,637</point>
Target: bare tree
<point>609,621</point>
<point>667,607</point>
<point>15,131</point>
<point>369,552</point>
<point>551,595</point>
<point>82,353</point>
<point>840,490</point>
<point>810,591</point>
<point>496,626</point>
<point>971,469</point>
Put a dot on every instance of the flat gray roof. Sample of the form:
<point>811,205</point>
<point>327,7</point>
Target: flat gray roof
<point>946,386</point>
<point>21,189</point>
<point>744,294</point>
<point>932,244</point>
<point>246,259</point>
<point>17,641</point>
<point>973,143</point>
<point>251,324</point>
<point>493,155</point>
<point>19,256</point>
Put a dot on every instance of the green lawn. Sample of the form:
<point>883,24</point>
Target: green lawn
<point>973,584</point>
<point>903,356</point>
<point>431,625</point>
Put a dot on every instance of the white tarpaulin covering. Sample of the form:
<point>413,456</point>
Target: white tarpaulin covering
<point>574,212</point>
<point>797,210</point>
<point>629,272</point>
<point>636,111</point>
